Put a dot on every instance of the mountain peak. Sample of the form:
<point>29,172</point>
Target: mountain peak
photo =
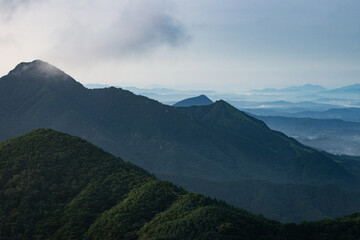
<point>36,68</point>
<point>201,100</point>
<point>37,74</point>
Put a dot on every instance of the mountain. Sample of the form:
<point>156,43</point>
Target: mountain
<point>346,114</point>
<point>285,202</point>
<point>56,186</point>
<point>342,97</point>
<point>201,100</point>
<point>351,114</point>
<point>347,90</point>
<point>304,88</point>
<point>348,96</point>
<point>311,88</point>
<point>282,106</point>
<point>216,142</point>
<point>263,151</point>
<point>330,135</point>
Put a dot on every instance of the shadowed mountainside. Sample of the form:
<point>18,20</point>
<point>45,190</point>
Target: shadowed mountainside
<point>214,142</point>
<point>56,186</point>
<point>285,202</point>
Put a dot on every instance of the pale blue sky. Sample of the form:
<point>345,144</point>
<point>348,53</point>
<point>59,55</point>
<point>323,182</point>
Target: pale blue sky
<point>204,44</point>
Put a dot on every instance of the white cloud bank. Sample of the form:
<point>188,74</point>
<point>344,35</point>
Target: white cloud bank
<point>87,30</point>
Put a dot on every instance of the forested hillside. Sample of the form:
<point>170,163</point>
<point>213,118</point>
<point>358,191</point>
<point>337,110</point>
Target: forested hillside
<point>55,186</point>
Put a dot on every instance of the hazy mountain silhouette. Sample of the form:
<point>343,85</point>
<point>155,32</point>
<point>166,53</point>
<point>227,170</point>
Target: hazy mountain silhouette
<point>201,100</point>
<point>351,114</point>
<point>282,106</point>
<point>330,135</point>
<point>303,88</point>
<point>346,114</point>
<point>346,91</point>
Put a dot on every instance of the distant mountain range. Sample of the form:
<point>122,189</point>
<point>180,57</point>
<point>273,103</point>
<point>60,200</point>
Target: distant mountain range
<point>56,186</point>
<point>347,91</point>
<point>345,114</point>
<point>309,90</point>
<point>348,96</point>
<point>216,142</point>
<point>283,107</point>
<point>330,135</point>
<point>304,88</point>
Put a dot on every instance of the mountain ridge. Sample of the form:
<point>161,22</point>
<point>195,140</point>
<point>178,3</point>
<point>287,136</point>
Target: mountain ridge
<point>121,122</point>
<point>214,142</point>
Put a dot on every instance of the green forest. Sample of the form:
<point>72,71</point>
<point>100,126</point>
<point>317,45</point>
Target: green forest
<point>56,186</point>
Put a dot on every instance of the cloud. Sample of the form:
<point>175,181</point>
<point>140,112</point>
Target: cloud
<point>11,4</point>
<point>134,28</point>
<point>88,30</point>
<point>8,7</point>
<point>143,25</point>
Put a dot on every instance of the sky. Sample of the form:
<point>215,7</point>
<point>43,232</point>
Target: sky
<point>229,45</point>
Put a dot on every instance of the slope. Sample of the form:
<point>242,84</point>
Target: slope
<point>283,202</point>
<point>55,186</point>
<point>212,142</point>
<point>266,152</point>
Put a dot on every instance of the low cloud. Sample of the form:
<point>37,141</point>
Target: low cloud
<point>86,29</point>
